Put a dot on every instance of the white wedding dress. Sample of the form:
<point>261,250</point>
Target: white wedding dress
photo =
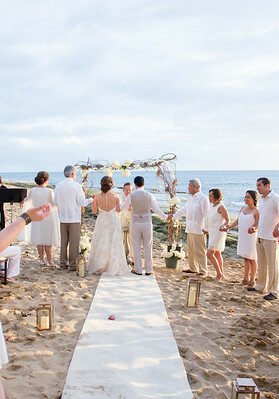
<point>107,254</point>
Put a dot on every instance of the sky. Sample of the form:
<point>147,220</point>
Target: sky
<point>115,79</point>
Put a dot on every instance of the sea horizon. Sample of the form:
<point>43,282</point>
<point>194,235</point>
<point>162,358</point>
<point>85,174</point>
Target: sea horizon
<point>233,183</point>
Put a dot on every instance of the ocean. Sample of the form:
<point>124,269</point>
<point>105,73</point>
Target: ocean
<point>233,184</point>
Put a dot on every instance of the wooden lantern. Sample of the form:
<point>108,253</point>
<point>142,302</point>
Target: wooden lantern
<point>45,317</point>
<point>81,266</point>
<point>245,388</point>
<point>193,295</point>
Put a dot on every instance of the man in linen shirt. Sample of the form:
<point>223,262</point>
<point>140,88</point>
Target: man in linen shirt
<point>69,198</point>
<point>195,211</point>
<point>141,203</point>
<point>267,243</point>
<point>125,220</point>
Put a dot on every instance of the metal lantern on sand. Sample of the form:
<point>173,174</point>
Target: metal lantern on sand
<point>45,317</point>
<point>244,388</point>
<point>193,295</point>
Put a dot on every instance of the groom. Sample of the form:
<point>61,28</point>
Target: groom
<point>141,203</point>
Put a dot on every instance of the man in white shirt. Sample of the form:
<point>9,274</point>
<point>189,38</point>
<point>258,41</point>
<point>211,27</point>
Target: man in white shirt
<point>267,243</point>
<point>195,211</point>
<point>125,220</point>
<point>141,203</point>
<point>69,198</point>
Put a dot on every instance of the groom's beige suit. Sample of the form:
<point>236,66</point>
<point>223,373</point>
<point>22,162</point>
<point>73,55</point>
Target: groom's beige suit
<point>141,203</point>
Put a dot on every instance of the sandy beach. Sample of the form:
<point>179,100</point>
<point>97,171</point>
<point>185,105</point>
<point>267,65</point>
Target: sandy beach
<point>233,333</point>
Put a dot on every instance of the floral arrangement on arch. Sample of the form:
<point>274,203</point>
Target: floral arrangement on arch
<point>104,166</point>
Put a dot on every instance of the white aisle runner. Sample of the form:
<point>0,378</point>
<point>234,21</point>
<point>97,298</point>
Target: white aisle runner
<point>134,356</point>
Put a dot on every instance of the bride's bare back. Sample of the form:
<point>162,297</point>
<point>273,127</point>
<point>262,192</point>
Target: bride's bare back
<point>106,202</point>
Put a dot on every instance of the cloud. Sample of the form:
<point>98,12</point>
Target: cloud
<point>116,79</point>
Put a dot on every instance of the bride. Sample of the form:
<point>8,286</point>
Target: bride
<point>107,254</point>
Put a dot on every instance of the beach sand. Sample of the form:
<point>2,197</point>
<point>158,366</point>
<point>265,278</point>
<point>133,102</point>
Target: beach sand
<point>232,334</point>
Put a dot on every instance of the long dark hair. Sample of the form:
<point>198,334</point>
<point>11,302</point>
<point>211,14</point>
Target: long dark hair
<point>254,195</point>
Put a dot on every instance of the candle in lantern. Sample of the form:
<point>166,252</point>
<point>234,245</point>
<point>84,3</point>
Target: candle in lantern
<point>192,297</point>
<point>45,322</point>
<point>81,269</point>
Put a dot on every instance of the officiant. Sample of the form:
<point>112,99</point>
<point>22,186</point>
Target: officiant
<point>125,220</point>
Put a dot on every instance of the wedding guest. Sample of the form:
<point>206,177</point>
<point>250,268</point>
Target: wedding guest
<point>267,244</point>
<point>13,254</point>
<point>217,217</point>
<point>246,243</point>
<point>46,233</point>
<point>2,214</point>
<point>195,211</point>
<point>10,233</point>
<point>7,236</point>
<point>125,220</point>
<point>69,198</point>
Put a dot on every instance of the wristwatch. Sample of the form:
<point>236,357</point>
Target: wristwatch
<point>26,217</point>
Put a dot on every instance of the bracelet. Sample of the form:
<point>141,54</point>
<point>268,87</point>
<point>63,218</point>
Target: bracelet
<point>26,218</point>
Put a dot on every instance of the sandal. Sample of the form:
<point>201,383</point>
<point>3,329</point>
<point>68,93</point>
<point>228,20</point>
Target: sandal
<point>42,262</point>
<point>51,264</point>
<point>244,282</point>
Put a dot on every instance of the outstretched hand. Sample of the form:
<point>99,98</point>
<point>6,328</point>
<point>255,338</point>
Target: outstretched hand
<point>40,213</point>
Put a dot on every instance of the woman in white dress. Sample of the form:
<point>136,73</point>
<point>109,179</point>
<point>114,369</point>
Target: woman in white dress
<point>216,217</point>
<point>46,233</point>
<point>107,254</point>
<point>246,244</point>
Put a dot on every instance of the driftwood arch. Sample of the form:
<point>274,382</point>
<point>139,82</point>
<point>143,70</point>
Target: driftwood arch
<point>165,167</point>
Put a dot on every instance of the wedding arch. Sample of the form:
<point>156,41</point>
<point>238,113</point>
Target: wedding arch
<point>165,167</point>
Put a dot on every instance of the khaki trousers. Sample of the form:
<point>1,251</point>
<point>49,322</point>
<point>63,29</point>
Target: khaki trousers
<point>141,232</point>
<point>70,235</point>
<point>196,244</point>
<point>268,266</point>
<point>126,237</point>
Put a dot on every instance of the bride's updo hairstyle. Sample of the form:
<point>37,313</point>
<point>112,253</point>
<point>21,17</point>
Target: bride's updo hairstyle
<point>41,178</point>
<point>106,184</point>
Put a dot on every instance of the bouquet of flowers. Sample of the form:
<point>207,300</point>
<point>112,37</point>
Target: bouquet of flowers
<point>84,244</point>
